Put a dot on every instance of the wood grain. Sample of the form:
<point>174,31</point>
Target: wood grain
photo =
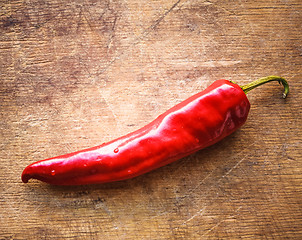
<point>74,74</point>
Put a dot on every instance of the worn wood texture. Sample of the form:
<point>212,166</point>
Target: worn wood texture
<point>78,73</point>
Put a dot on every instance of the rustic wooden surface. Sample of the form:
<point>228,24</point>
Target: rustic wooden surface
<point>78,73</point>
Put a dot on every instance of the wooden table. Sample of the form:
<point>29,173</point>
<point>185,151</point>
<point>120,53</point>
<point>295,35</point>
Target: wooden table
<point>75,74</point>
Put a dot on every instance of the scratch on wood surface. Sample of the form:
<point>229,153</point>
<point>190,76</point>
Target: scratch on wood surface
<point>87,20</point>
<point>221,221</point>
<point>33,120</point>
<point>137,40</point>
<point>201,211</point>
<point>160,19</point>
<point>211,173</point>
<point>211,229</point>
<point>110,107</point>
<point>207,64</point>
<point>103,206</point>
<point>112,34</point>
<point>198,213</point>
<point>235,166</point>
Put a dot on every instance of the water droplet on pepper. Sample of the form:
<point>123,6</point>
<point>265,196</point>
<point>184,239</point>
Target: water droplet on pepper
<point>116,150</point>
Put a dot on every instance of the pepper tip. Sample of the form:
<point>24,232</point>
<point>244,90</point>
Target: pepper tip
<point>25,178</point>
<point>26,175</point>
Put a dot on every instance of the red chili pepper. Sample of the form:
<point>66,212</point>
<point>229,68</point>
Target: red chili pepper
<point>195,123</point>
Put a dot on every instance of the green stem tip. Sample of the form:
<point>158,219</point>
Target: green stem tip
<point>248,87</point>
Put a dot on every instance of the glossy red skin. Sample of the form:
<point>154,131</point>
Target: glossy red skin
<point>194,124</point>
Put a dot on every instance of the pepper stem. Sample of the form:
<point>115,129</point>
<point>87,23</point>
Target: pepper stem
<point>248,87</point>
